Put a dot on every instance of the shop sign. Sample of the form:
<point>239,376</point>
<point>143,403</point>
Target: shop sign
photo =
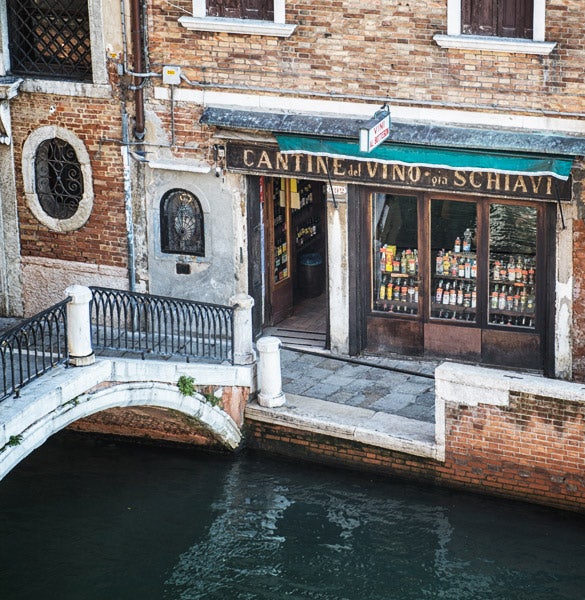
<point>375,131</point>
<point>248,158</point>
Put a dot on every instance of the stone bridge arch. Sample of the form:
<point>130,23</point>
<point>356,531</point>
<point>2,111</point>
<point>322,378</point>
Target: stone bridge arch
<point>46,407</point>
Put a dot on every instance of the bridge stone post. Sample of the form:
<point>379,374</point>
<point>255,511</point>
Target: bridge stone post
<point>269,375</point>
<point>81,351</point>
<point>243,338</point>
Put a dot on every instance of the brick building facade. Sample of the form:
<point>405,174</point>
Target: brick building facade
<point>187,149</point>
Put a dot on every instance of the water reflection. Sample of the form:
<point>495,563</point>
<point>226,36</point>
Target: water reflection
<point>91,520</point>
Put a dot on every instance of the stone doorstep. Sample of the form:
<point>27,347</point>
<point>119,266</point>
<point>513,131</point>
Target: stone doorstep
<point>362,425</point>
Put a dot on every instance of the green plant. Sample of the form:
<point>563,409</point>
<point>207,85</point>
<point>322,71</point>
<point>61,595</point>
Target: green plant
<point>186,385</point>
<point>14,440</point>
<point>212,399</point>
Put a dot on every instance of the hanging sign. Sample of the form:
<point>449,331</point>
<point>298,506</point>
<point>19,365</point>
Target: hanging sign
<point>375,131</point>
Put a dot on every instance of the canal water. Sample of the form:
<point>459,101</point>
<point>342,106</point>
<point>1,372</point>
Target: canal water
<point>86,519</point>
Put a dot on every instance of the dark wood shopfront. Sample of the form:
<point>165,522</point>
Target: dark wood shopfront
<point>463,277</point>
<point>502,316</point>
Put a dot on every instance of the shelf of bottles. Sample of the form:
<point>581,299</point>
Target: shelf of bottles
<point>454,282</point>
<point>307,225</point>
<point>512,290</point>
<point>281,270</point>
<point>397,284</point>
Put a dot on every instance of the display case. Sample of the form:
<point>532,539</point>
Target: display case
<point>512,299</point>
<point>281,253</point>
<point>454,285</point>
<point>397,283</point>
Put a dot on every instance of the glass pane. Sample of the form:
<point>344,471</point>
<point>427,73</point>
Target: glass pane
<point>280,228</point>
<point>512,273</point>
<point>453,260</point>
<point>395,275</point>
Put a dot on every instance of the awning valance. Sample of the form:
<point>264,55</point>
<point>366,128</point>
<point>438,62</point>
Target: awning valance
<point>457,159</point>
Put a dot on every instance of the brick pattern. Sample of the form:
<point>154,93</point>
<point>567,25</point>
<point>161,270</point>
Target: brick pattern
<point>102,240</point>
<point>380,49</point>
<point>531,450</point>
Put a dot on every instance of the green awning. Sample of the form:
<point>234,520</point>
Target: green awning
<point>431,156</point>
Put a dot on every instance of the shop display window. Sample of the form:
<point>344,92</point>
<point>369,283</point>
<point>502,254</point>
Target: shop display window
<point>454,260</point>
<point>512,265</point>
<point>396,280</point>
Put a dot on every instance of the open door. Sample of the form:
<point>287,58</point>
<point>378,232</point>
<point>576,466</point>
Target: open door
<point>278,263</point>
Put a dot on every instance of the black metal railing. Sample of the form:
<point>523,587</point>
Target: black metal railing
<point>155,325</point>
<point>32,348</point>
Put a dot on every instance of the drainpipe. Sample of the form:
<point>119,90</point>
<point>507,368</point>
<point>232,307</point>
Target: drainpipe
<point>125,149</point>
<point>138,52</point>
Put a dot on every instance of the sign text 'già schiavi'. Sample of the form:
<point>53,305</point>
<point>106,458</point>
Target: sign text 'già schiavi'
<point>269,161</point>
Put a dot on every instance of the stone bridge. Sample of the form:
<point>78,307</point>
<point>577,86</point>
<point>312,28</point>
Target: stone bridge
<point>70,395</point>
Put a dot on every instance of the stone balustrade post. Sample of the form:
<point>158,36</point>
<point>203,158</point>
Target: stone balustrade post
<point>269,376</point>
<point>81,351</point>
<point>243,335</point>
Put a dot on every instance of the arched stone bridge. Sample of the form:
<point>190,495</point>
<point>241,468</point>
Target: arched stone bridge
<point>67,395</point>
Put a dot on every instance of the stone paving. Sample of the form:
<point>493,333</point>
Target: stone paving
<point>379,384</point>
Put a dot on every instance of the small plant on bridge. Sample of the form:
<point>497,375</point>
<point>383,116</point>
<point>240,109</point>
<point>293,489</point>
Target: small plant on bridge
<point>186,385</point>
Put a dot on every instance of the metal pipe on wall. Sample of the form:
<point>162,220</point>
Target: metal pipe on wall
<point>138,53</point>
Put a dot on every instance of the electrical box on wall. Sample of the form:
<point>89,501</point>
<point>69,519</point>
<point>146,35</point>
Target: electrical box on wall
<point>172,75</point>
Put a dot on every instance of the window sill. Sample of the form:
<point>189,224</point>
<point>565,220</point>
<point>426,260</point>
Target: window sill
<point>494,44</point>
<point>66,88</point>
<point>241,26</point>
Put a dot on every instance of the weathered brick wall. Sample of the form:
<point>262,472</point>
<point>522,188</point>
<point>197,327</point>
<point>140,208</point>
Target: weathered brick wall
<point>380,49</point>
<point>102,240</point>
<point>532,450</point>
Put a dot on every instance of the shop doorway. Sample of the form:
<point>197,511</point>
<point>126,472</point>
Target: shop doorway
<point>294,244</point>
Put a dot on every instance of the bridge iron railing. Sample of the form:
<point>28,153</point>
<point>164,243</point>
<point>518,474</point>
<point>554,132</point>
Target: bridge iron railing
<point>155,325</point>
<point>121,322</point>
<point>32,348</point>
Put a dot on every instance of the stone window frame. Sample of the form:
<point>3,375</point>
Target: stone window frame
<point>81,216</point>
<point>455,39</point>
<point>201,22</point>
<point>99,88</point>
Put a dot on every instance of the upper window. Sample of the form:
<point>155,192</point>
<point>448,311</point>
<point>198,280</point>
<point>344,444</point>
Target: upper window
<point>496,25</point>
<point>503,18</point>
<point>181,224</point>
<point>50,39</point>
<point>263,10</point>
<point>255,17</point>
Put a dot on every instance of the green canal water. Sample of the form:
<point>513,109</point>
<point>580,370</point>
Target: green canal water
<point>87,519</point>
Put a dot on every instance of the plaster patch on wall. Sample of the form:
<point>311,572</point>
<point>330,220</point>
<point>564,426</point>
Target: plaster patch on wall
<point>45,280</point>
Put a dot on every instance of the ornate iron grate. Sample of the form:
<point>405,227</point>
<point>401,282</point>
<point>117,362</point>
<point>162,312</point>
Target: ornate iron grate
<point>50,38</point>
<point>182,230</point>
<point>58,178</point>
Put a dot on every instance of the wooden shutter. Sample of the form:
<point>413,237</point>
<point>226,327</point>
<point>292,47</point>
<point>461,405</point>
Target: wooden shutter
<point>479,17</point>
<point>262,10</point>
<point>516,18</point>
<point>241,9</point>
<point>229,9</point>
<point>503,18</point>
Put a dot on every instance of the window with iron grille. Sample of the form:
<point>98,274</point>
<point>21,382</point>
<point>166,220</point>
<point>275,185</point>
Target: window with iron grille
<point>182,230</point>
<point>261,10</point>
<point>58,178</point>
<point>50,39</point>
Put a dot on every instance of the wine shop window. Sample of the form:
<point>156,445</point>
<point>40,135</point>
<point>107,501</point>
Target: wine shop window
<point>454,260</point>
<point>182,223</point>
<point>396,276</point>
